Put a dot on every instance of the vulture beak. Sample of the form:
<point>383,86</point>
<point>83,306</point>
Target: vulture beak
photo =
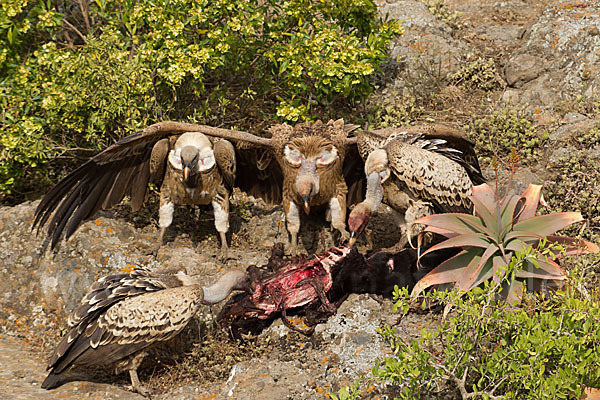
<point>306,204</point>
<point>352,240</point>
<point>186,173</point>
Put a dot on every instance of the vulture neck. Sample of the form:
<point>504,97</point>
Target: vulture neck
<point>224,286</point>
<point>374,195</point>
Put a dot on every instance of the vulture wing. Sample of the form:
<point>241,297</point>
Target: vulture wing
<point>225,157</point>
<point>430,176</point>
<point>452,143</point>
<point>127,327</point>
<point>259,173</point>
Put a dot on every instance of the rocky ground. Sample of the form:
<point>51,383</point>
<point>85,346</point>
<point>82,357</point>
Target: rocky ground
<point>544,62</point>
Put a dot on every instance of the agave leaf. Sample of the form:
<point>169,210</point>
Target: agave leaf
<point>497,263</point>
<point>454,222</point>
<point>516,244</point>
<point>441,231</point>
<point>532,199</point>
<point>522,235</point>
<point>488,217</point>
<point>507,212</point>
<point>547,224</point>
<point>479,227</point>
<point>468,239</point>
<point>546,270</point>
<point>514,292</point>
<point>485,196</point>
<point>448,271</point>
<point>573,246</point>
<point>477,267</point>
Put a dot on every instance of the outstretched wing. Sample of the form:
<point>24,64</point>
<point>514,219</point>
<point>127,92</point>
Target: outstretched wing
<point>104,180</point>
<point>431,176</point>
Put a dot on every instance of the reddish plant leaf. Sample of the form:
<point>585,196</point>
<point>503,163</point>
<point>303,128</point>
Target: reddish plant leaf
<point>546,270</point>
<point>528,237</point>
<point>514,293</point>
<point>488,217</point>
<point>441,231</point>
<point>516,245</point>
<point>475,269</point>
<point>532,199</point>
<point>574,246</point>
<point>507,212</point>
<point>469,239</point>
<point>448,271</point>
<point>545,225</point>
<point>498,262</point>
<point>454,222</point>
<point>486,197</point>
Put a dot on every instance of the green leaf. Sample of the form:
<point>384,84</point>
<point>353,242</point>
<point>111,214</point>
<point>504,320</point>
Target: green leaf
<point>545,225</point>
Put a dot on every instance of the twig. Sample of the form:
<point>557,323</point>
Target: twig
<point>76,30</point>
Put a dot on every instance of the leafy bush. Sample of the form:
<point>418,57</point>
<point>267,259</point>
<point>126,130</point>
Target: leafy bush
<point>502,130</point>
<point>76,75</point>
<point>490,239</point>
<point>546,349</point>
<point>478,74</point>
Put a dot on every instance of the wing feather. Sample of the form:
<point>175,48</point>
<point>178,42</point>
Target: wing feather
<point>431,176</point>
<point>103,181</point>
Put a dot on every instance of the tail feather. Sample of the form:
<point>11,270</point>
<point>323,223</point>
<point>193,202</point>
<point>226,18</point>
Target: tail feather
<point>52,380</point>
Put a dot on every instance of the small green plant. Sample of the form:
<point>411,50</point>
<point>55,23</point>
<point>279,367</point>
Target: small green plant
<point>485,349</point>
<point>477,74</point>
<point>394,110</point>
<point>575,181</point>
<point>502,130</point>
<point>439,9</point>
<point>347,393</point>
<point>490,239</point>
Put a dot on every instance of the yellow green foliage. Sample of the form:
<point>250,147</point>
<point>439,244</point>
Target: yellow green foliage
<point>76,75</point>
<point>499,132</point>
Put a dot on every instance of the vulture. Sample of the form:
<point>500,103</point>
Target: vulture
<point>188,167</point>
<point>417,171</point>
<point>124,314</point>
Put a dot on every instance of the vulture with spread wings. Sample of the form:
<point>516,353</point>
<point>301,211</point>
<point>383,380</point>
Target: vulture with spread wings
<point>307,165</point>
<point>302,166</point>
<point>417,171</point>
<point>187,166</point>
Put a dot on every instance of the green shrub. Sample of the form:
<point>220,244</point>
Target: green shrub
<point>546,349</point>
<point>76,75</point>
<point>500,131</point>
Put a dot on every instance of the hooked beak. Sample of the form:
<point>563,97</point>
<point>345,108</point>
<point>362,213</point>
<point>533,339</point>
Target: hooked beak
<point>306,204</point>
<point>186,173</point>
<point>352,240</point>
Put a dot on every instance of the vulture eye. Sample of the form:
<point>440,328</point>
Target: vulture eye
<point>327,156</point>
<point>293,156</point>
<point>206,163</point>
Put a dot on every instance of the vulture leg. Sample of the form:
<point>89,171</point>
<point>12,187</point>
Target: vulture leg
<point>165,218</point>
<point>415,211</point>
<point>337,206</point>
<point>132,365</point>
<point>292,217</point>
<point>221,209</point>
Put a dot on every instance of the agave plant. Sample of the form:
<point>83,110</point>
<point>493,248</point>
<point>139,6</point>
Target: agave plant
<point>491,237</point>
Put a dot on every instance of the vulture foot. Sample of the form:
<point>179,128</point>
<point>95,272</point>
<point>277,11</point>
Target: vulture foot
<point>224,252</point>
<point>136,386</point>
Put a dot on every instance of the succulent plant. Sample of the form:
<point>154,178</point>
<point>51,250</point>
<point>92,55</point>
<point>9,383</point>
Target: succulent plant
<point>498,230</point>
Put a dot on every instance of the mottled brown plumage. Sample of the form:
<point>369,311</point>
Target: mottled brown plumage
<point>186,165</point>
<point>124,314</point>
<point>301,166</point>
<point>423,169</point>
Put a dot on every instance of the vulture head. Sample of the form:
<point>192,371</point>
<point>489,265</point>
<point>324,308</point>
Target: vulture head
<point>193,154</point>
<point>309,159</point>
<point>360,215</point>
